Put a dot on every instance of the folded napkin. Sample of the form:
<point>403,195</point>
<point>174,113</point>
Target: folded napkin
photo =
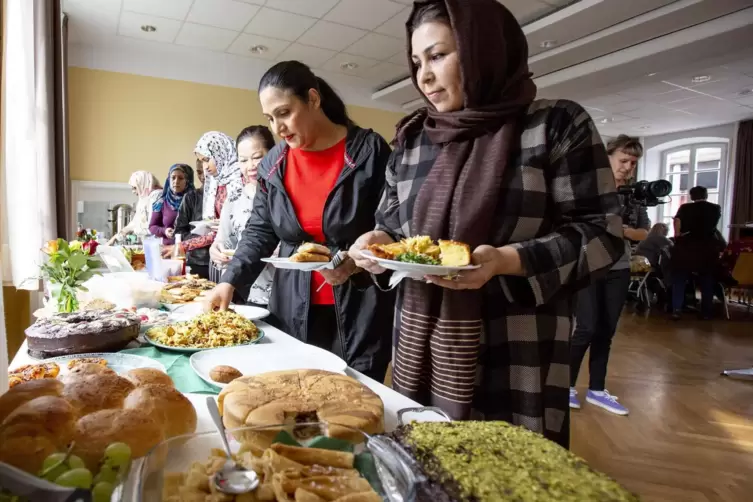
<point>179,369</point>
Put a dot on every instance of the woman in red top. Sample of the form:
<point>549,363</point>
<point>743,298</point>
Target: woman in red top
<point>321,184</point>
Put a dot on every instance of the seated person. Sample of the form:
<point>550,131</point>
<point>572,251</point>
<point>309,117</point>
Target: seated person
<point>652,247</point>
<point>697,249</point>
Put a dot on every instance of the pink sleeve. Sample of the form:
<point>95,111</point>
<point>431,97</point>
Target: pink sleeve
<point>199,242</point>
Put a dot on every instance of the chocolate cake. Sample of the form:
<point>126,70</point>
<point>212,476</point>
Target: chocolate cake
<point>81,332</point>
<point>495,461</point>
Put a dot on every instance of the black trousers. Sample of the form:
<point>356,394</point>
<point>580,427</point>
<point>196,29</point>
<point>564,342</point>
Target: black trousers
<point>597,313</point>
<point>322,329</point>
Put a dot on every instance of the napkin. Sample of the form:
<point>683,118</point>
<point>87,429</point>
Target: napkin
<point>179,369</point>
<point>396,277</point>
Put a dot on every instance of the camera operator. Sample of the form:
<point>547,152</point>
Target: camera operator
<point>600,305</point>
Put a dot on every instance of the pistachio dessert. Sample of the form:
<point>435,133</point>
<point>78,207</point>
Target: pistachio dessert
<point>495,461</point>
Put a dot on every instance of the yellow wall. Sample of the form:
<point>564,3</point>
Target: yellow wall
<point>120,123</point>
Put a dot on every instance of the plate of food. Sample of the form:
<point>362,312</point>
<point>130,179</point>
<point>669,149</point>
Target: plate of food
<point>221,366</point>
<point>308,257</point>
<point>422,256</point>
<point>181,290</point>
<point>248,311</point>
<point>61,366</point>
<point>206,331</point>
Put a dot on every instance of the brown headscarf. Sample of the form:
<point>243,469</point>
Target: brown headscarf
<point>440,329</point>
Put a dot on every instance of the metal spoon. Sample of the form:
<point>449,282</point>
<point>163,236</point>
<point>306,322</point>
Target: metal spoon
<point>232,479</point>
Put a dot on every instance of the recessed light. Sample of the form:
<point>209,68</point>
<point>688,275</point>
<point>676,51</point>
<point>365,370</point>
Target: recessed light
<point>651,74</point>
<point>606,120</point>
<point>699,79</point>
<point>348,66</point>
<point>258,49</point>
<point>148,28</point>
<point>548,44</point>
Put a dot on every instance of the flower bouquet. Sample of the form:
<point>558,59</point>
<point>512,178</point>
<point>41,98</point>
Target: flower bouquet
<point>88,238</point>
<point>67,268</point>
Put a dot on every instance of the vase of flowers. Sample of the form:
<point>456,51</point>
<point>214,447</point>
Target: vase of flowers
<point>67,267</point>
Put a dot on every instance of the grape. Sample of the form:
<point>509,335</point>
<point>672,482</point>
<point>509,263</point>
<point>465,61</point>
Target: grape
<point>76,478</point>
<point>53,459</point>
<point>75,462</point>
<point>107,474</point>
<point>102,492</point>
<point>52,468</point>
<point>117,455</point>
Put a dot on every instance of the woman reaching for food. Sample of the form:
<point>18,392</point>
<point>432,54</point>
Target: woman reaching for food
<point>253,143</point>
<point>148,190</point>
<point>320,185</point>
<point>165,211</point>
<point>527,185</point>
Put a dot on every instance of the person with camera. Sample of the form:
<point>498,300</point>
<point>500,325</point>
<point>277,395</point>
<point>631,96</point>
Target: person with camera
<point>600,305</point>
<point>698,246</point>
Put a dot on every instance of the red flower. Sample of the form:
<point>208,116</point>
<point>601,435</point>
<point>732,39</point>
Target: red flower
<point>90,247</point>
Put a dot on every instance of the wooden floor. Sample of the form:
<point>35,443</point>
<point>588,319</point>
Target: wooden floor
<point>689,435</point>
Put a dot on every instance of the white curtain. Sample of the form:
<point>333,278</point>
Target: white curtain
<point>28,115</point>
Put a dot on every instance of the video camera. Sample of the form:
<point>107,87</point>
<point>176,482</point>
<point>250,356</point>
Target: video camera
<point>647,193</point>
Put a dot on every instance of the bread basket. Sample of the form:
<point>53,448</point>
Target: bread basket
<point>394,478</point>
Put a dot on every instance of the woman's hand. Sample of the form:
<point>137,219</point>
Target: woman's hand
<point>169,233</point>
<point>493,261</point>
<point>363,242</point>
<point>216,254</point>
<point>341,274</point>
<point>219,298</point>
<point>113,240</point>
<point>167,251</point>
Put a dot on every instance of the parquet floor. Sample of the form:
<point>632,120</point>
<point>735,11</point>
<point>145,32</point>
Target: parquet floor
<point>689,435</point>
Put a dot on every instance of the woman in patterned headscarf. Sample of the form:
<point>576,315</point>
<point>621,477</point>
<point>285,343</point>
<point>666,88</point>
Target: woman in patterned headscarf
<point>527,185</point>
<point>147,188</point>
<point>223,182</point>
<point>165,211</point>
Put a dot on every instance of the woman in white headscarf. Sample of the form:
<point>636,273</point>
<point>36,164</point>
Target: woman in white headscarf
<point>148,190</point>
<point>219,158</point>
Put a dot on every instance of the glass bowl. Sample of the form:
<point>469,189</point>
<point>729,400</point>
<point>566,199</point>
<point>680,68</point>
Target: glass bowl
<point>379,459</point>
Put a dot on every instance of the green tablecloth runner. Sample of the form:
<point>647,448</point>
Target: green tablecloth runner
<point>179,369</point>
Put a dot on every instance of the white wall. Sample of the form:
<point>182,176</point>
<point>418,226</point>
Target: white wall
<point>650,167</point>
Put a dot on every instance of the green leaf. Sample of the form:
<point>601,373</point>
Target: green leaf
<point>334,444</point>
<point>77,261</point>
<point>85,275</point>
<point>63,246</point>
<point>284,437</point>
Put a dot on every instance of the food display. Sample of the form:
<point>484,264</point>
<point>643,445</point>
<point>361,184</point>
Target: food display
<point>423,250</point>
<point>205,331</point>
<point>492,461</point>
<point>81,332</point>
<point>185,290</point>
<point>148,376</point>
<point>224,374</point>
<point>98,304</point>
<point>310,252</point>
<point>296,396</point>
<point>30,372</point>
<point>73,363</point>
<point>136,257</point>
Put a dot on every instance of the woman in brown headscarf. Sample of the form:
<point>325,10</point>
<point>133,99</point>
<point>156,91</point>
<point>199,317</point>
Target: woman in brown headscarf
<point>527,184</point>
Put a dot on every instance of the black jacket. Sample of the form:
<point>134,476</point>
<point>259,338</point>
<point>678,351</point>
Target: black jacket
<point>191,209</point>
<point>364,314</point>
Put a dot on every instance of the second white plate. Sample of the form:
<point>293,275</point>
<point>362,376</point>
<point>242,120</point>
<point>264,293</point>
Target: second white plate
<point>188,311</point>
<point>417,269</point>
<point>285,263</point>
<point>265,357</point>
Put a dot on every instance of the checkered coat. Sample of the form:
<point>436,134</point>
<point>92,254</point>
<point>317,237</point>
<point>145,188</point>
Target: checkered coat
<point>558,206</point>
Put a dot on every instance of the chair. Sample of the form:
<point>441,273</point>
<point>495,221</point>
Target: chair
<point>743,274</point>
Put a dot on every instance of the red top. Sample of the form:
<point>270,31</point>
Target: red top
<point>309,178</point>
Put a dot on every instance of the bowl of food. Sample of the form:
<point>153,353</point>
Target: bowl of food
<point>210,330</point>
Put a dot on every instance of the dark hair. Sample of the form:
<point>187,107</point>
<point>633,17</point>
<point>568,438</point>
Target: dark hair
<point>626,144</point>
<point>259,132</point>
<point>298,78</point>
<point>699,193</point>
<point>428,13</point>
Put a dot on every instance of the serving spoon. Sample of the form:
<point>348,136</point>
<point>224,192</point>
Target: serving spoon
<point>232,479</point>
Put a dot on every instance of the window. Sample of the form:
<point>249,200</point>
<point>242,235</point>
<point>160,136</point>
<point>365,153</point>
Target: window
<point>689,166</point>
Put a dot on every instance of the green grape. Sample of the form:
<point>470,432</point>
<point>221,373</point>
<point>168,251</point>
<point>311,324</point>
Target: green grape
<point>107,474</point>
<point>76,478</point>
<point>102,492</point>
<point>75,462</point>
<point>53,459</point>
<point>117,455</point>
<point>53,468</point>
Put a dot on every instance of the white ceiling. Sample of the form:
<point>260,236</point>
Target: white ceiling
<point>597,42</point>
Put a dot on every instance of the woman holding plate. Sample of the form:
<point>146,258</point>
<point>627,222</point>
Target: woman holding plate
<point>526,184</point>
<point>322,185</point>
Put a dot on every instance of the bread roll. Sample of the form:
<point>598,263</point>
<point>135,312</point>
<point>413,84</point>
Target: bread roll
<point>86,369</point>
<point>224,374</point>
<point>166,406</point>
<point>148,376</point>
<point>50,416</point>
<point>27,452</point>
<point>27,391</point>
<point>90,393</point>
<point>96,431</point>
<point>309,258</point>
<point>313,248</point>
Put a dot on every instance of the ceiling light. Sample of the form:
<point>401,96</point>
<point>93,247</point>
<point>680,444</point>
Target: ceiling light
<point>699,79</point>
<point>651,74</point>
<point>606,120</point>
<point>349,66</point>
<point>148,28</point>
<point>548,44</point>
<point>258,49</point>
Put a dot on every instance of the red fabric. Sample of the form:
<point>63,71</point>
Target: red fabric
<point>309,178</point>
<point>206,241</point>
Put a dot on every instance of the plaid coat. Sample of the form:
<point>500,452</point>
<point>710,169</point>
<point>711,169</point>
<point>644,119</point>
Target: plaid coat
<point>559,208</point>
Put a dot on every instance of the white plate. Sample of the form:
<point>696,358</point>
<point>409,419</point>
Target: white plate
<point>191,310</point>
<point>293,265</point>
<point>119,363</point>
<point>265,357</point>
<point>417,269</point>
